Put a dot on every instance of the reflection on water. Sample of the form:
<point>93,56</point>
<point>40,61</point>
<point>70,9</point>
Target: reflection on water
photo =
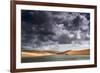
<point>55,58</point>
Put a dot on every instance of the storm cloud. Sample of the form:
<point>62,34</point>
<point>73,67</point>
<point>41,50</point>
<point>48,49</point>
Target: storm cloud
<point>45,28</point>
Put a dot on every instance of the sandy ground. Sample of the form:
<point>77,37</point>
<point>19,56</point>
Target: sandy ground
<point>47,53</point>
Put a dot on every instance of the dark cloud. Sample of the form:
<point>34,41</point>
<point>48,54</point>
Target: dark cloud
<point>39,28</point>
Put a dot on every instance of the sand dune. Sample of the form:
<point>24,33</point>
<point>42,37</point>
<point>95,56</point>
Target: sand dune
<point>37,53</point>
<point>34,53</point>
<point>78,52</point>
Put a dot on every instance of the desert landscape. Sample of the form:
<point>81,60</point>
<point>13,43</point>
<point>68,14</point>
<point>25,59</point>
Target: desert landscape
<point>34,53</point>
<point>49,55</point>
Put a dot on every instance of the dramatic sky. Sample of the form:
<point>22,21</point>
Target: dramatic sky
<point>54,30</point>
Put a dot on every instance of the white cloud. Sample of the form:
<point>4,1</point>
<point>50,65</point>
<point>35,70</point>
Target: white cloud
<point>59,29</point>
<point>84,23</point>
<point>64,47</point>
<point>71,35</point>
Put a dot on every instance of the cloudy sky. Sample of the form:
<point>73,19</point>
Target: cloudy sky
<point>54,30</point>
